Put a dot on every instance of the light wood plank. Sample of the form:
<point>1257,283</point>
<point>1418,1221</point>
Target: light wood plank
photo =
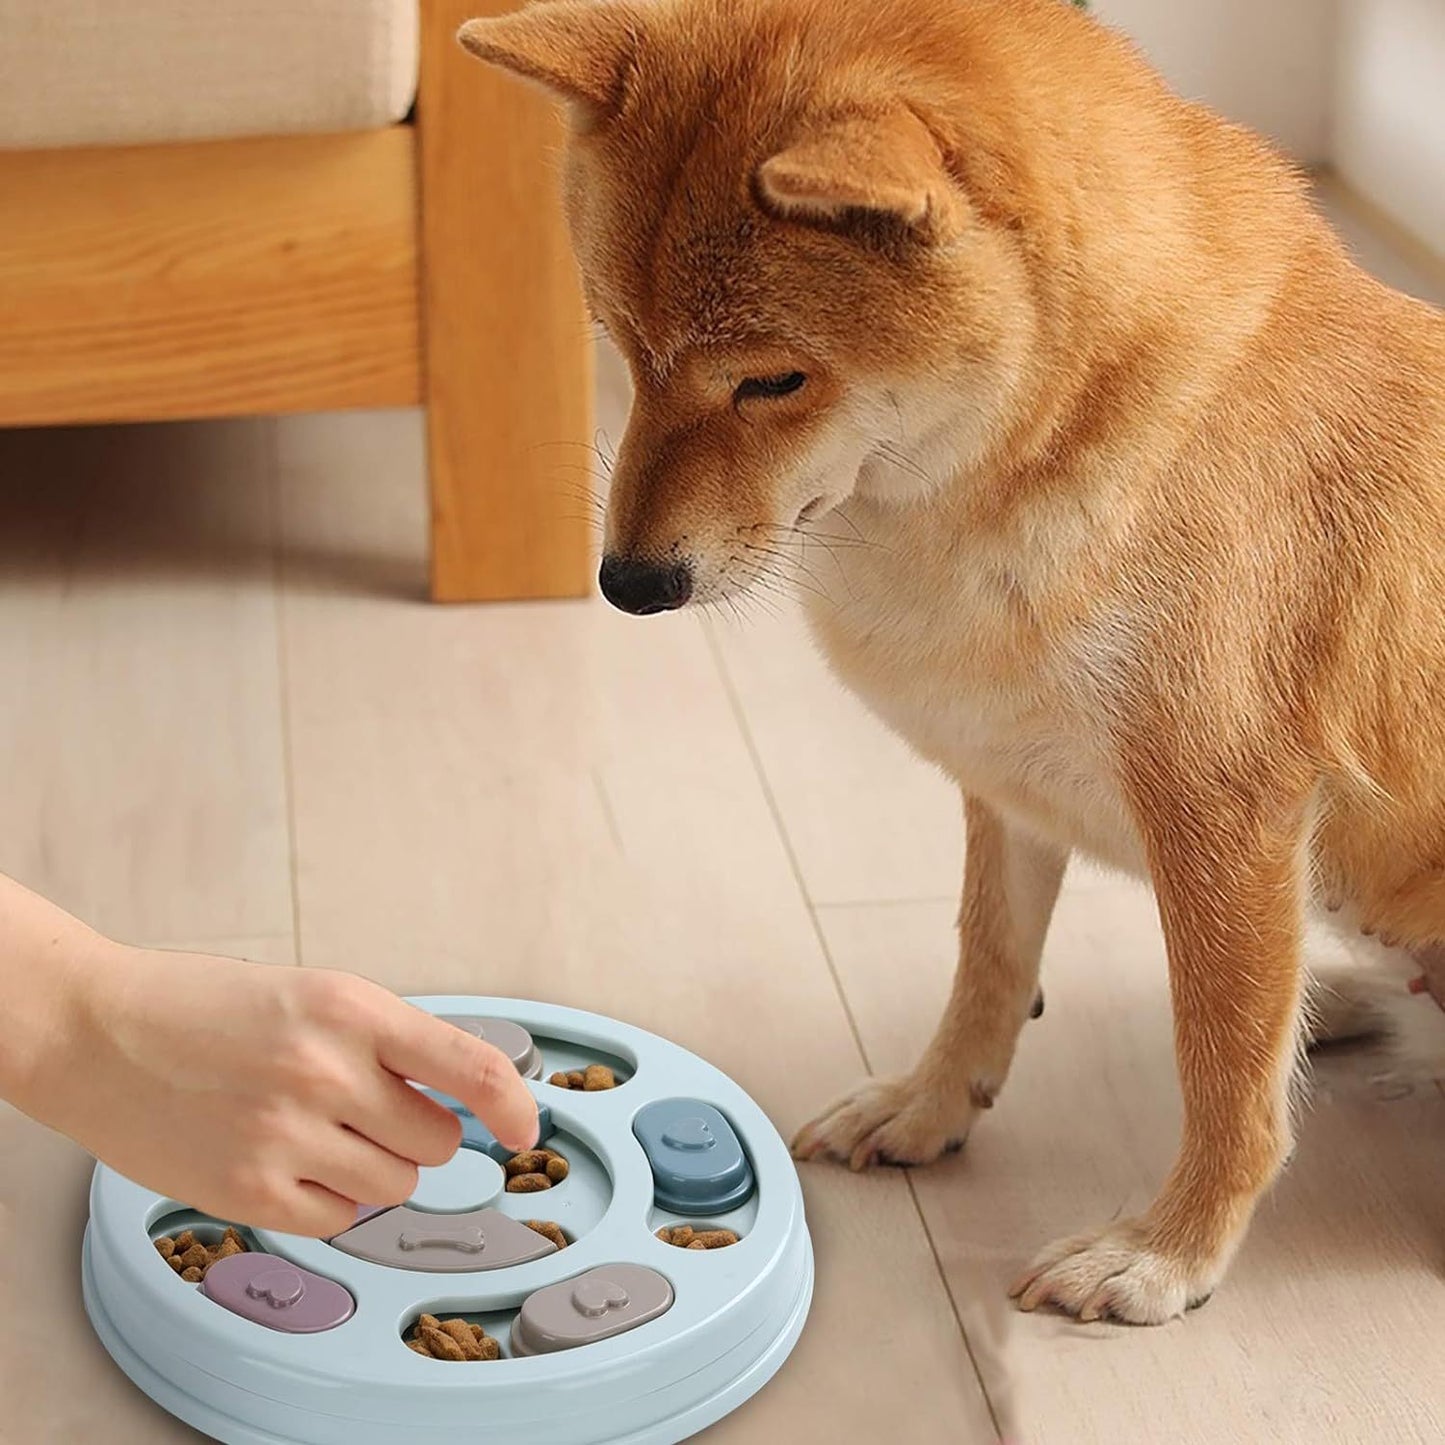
<point>509,358</point>
<point>1328,1326</point>
<point>555,802</point>
<point>209,279</point>
<point>56,1380</point>
<point>141,775</point>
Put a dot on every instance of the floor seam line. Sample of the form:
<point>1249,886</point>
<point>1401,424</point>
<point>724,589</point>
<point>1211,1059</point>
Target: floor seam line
<point>283,670</point>
<point>755,756</point>
<point>954,1309</point>
<point>775,812</point>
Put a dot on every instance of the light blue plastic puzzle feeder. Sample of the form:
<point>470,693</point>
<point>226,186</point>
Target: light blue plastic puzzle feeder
<point>619,1337</point>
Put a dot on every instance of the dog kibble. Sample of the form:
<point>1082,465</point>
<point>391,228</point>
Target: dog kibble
<point>466,1341</point>
<point>715,1238</point>
<point>593,1079</point>
<point>454,1340</point>
<point>684,1236</point>
<point>442,1347</point>
<point>548,1230</point>
<point>535,1169</point>
<point>190,1257</point>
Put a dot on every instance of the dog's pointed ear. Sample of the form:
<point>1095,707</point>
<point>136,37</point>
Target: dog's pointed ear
<point>578,49</point>
<point>885,164</point>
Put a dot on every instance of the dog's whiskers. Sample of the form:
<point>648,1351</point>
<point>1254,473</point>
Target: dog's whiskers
<point>788,531</point>
<point>891,454</point>
<point>803,576</point>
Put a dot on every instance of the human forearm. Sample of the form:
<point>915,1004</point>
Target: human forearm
<point>285,1104</point>
<point>46,957</point>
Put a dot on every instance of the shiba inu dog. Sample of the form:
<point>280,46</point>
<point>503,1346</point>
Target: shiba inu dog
<point>1148,486</point>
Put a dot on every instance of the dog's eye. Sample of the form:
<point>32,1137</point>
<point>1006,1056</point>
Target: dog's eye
<point>768,387</point>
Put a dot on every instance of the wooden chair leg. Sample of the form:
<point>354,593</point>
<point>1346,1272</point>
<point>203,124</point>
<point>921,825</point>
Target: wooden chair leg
<point>509,372</point>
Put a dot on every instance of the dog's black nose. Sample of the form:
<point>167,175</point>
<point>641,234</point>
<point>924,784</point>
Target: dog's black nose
<point>645,587</point>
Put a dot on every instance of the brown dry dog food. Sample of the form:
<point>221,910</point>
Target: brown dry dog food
<point>452,1340</point>
<point>592,1079</point>
<point>191,1257</point>
<point>684,1236</point>
<point>535,1169</point>
<point>548,1230</point>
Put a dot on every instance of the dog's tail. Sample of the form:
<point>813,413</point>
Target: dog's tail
<point>1360,990</point>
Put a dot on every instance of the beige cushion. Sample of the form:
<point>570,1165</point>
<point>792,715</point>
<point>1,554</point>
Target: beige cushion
<point>102,72</point>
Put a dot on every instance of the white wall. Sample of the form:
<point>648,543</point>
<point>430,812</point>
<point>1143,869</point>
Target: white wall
<point>1267,63</point>
<point>1389,110</point>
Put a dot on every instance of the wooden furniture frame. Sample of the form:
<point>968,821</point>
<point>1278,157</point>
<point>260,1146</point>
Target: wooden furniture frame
<point>416,264</point>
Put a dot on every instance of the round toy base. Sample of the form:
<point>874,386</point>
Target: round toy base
<point>727,1318</point>
<point>230,1431</point>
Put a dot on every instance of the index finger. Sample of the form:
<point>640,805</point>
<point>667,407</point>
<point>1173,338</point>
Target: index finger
<point>430,1051</point>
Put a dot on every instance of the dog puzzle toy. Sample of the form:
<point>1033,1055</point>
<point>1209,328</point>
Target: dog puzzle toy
<point>458,1315</point>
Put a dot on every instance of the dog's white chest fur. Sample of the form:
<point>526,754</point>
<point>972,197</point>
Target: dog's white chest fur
<point>944,649</point>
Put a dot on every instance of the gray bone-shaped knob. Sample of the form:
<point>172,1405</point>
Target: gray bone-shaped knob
<point>467,1238</point>
<point>406,1238</point>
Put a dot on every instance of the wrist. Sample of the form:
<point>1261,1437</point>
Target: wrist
<point>52,1012</point>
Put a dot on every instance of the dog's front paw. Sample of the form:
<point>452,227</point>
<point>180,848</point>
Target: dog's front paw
<point>886,1121</point>
<point>1113,1273</point>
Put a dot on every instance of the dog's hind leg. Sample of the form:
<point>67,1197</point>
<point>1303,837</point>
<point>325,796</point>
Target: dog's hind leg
<point>1011,883</point>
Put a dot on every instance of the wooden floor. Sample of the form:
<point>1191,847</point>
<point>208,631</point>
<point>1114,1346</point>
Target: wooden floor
<point>229,721</point>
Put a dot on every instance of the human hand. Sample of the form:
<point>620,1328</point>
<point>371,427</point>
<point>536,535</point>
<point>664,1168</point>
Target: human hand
<point>272,1096</point>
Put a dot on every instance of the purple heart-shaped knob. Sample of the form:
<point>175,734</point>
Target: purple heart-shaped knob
<point>595,1295</point>
<point>280,1288</point>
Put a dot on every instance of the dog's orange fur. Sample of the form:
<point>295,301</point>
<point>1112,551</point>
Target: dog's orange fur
<point>1143,485</point>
